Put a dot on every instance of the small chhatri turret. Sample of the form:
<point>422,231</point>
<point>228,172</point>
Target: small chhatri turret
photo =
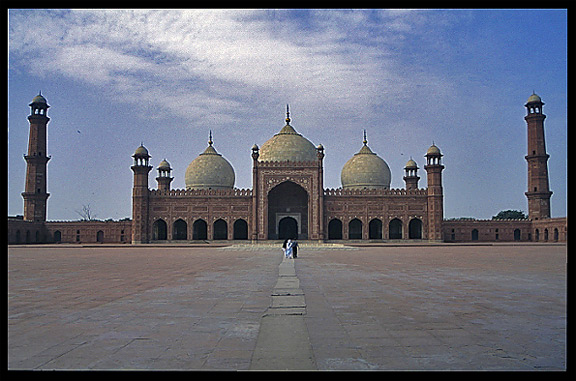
<point>164,179</point>
<point>411,175</point>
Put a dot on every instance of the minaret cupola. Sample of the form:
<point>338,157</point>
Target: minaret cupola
<point>39,105</point>
<point>164,178</point>
<point>411,175</point>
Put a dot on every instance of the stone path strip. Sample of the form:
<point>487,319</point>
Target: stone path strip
<point>283,342</point>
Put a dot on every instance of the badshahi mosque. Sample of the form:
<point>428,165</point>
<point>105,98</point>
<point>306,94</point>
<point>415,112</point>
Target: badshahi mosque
<point>287,199</point>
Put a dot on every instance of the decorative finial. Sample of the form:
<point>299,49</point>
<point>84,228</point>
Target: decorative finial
<point>365,141</point>
<point>210,138</point>
<point>287,114</point>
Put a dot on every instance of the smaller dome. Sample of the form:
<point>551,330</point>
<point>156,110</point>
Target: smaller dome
<point>433,150</point>
<point>141,151</point>
<point>365,170</point>
<point>411,164</point>
<point>534,98</point>
<point>209,171</point>
<point>164,165</point>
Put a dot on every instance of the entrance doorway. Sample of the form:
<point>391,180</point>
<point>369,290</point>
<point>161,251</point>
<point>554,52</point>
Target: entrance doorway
<point>355,229</point>
<point>220,229</point>
<point>335,229</point>
<point>375,229</point>
<point>159,230</point>
<point>287,211</point>
<point>395,229</point>
<point>200,230</point>
<point>415,229</point>
<point>475,235</point>
<point>240,229</point>
<point>179,230</point>
<point>288,228</point>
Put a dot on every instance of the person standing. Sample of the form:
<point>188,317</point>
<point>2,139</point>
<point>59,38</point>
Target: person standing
<point>288,251</point>
<point>294,249</point>
<point>284,246</point>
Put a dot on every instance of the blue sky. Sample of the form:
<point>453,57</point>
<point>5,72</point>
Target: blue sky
<point>117,78</point>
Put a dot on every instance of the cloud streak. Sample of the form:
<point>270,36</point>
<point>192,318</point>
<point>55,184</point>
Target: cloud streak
<point>345,59</point>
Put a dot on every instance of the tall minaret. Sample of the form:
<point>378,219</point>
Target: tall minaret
<point>35,195</point>
<point>538,193</point>
<point>434,169</point>
<point>140,195</point>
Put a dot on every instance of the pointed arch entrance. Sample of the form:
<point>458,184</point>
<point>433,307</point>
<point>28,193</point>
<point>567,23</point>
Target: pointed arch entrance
<point>335,229</point>
<point>375,229</point>
<point>415,229</point>
<point>220,230</point>
<point>287,209</point>
<point>200,230</point>
<point>355,229</point>
<point>288,228</point>
<point>240,229</point>
<point>395,229</point>
<point>160,230</point>
<point>179,230</point>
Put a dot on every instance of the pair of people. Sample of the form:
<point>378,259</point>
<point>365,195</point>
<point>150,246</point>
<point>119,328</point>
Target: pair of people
<point>290,248</point>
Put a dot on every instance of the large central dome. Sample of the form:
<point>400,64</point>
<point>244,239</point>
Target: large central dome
<point>288,145</point>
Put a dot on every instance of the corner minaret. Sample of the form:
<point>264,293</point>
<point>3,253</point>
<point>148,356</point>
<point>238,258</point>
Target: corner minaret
<point>434,169</point>
<point>140,195</point>
<point>35,194</point>
<point>538,193</point>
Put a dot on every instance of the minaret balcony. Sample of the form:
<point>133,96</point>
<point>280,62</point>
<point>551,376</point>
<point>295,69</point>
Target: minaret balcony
<point>537,156</point>
<point>38,159</point>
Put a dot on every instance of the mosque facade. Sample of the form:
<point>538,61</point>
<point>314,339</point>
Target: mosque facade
<point>288,198</point>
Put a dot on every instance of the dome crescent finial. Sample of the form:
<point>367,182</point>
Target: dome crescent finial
<point>287,113</point>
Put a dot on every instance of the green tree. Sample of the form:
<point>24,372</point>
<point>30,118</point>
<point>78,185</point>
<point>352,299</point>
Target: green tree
<point>510,215</point>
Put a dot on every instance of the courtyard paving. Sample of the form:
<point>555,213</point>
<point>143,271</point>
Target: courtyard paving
<point>429,307</point>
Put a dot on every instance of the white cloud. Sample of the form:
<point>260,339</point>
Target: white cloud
<point>195,53</point>
<point>216,69</point>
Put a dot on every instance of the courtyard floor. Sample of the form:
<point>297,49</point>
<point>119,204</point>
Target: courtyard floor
<point>430,307</point>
